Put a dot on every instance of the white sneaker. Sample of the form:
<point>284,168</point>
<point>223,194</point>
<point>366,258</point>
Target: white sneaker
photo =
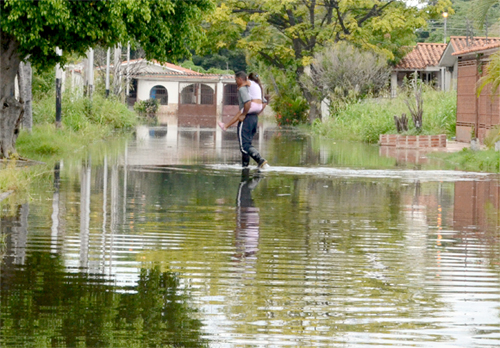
<point>263,165</point>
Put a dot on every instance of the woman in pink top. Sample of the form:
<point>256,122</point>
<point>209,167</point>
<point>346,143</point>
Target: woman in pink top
<point>258,102</point>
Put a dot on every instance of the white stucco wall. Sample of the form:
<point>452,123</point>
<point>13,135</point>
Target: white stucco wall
<point>144,89</point>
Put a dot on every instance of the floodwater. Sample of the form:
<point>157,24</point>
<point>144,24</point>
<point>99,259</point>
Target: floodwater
<point>167,243</point>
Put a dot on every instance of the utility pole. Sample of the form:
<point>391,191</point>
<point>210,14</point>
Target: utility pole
<point>445,16</point>
<point>59,73</point>
<point>107,71</point>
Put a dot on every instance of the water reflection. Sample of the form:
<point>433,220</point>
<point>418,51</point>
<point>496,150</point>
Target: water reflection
<point>189,254</point>
<point>55,208</point>
<point>247,218</point>
<point>45,305</point>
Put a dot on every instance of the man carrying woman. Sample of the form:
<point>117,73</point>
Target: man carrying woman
<point>251,104</point>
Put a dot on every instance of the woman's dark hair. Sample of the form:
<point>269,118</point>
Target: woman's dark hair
<point>255,78</point>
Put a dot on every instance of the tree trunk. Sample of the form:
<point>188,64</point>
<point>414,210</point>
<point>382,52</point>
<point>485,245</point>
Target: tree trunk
<point>312,100</point>
<point>11,110</point>
<point>313,105</point>
<point>25,75</point>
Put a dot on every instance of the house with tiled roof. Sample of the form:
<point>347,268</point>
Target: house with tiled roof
<point>449,60</point>
<point>475,114</point>
<point>197,99</point>
<point>422,59</point>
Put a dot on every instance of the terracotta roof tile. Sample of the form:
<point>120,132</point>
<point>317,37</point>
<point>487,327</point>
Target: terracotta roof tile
<point>477,48</point>
<point>422,56</point>
<point>462,43</point>
<point>185,75</point>
<point>176,67</point>
<point>155,62</point>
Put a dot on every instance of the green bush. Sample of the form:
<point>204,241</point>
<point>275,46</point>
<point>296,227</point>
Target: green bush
<point>290,111</point>
<point>147,108</point>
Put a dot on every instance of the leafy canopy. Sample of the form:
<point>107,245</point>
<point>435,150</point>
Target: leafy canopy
<point>166,29</point>
<point>288,32</point>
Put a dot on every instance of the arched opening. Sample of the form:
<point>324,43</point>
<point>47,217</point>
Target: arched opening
<point>197,104</point>
<point>207,95</point>
<point>198,94</point>
<point>188,95</point>
<point>230,96</point>
<point>159,93</point>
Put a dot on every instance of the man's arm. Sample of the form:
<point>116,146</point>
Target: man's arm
<point>235,119</point>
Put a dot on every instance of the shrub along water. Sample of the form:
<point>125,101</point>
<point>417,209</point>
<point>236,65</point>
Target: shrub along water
<point>483,161</point>
<point>367,119</point>
<point>83,124</point>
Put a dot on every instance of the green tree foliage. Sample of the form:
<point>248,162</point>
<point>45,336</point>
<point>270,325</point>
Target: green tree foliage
<point>165,29</point>
<point>492,77</point>
<point>224,59</point>
<point>286,34</point>
<point>161,27</point>
<point>483,10</point>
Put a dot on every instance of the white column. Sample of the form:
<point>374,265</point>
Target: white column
<point>108,53</point>
<point>90,72</point>
<point>127,87</point>
<point>59,74</point>
<point>394,84</point>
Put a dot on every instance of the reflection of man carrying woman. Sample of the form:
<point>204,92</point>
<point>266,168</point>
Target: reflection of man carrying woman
<point>247,218</point>
<point>251,103</point>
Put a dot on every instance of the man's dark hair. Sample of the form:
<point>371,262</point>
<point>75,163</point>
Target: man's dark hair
<point>242,75</point>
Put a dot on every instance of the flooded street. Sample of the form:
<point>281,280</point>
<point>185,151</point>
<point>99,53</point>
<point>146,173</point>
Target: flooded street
<point>167,243</point>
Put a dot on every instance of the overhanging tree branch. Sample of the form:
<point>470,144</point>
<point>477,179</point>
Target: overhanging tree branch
<point>375,11</point>
<point>273,61</point>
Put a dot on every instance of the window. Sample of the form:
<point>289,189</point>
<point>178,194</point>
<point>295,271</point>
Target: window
<point>159,93</point>
<point>198,94</point>
<point>207,95</point>
<point>231,94</point>
<point>188,95</point>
